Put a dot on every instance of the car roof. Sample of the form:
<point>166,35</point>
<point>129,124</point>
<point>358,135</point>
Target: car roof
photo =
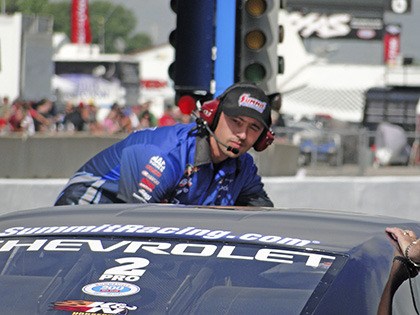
<point>324,230</point>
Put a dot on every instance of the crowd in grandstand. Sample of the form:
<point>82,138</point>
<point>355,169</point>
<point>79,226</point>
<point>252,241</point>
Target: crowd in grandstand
<point>31,117</point>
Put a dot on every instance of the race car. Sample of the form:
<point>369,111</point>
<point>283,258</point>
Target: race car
<point>175,259</point>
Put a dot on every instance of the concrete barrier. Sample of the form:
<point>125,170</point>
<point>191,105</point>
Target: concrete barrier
<point>48,156</point>
<point>59,156</point>
<point>279,159</point>
<point>383,195</point>
<point>390,196</point>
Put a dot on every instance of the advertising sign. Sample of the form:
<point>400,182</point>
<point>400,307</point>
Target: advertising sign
<point>392,43</point>
<point>338,19</point>
<point>337,25</point>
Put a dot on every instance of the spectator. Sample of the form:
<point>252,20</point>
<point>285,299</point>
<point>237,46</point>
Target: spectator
<point>146,120</point>
<point>145,107</point>
<point>89,113</point>
<point>44,115</point>
<point>5,109</point>
<point>112,122</point>
<point>73,120</point>
<point>21,119</point>
<point>167,119</point>
<point>129,120</point>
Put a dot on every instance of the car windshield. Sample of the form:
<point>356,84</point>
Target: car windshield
<point>64,275</point>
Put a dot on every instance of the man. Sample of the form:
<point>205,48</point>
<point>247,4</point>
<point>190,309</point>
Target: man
<point>203,163</point>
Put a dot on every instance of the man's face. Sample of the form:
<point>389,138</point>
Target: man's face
<point>238,132</point>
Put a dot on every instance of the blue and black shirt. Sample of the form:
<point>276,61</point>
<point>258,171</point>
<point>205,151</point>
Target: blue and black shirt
<point>167,164</point>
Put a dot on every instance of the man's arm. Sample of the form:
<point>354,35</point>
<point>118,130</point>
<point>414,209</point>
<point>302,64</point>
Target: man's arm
<point>252,192</point>
<point>401,270</point>
<point>259,199</point>
<point>147,175</point>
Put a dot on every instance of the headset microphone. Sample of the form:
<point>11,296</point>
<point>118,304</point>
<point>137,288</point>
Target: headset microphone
<point>228,147</point>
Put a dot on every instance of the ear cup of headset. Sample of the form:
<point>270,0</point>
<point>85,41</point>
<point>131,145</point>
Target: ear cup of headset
<point>209,112</point>
<point>266,138</point>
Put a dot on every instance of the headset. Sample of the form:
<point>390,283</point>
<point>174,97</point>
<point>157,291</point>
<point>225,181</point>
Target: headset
<point>210,113</point>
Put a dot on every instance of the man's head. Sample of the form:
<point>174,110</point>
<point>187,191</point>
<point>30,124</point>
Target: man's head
<point>243,116</point>
<point>246,99</point>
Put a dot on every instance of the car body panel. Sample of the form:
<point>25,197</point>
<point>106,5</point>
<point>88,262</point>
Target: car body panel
<point>360,252</point>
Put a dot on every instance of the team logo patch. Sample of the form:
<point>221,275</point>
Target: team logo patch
<point>111,289</point>
<point>158,163</point>
<point>246,101</point>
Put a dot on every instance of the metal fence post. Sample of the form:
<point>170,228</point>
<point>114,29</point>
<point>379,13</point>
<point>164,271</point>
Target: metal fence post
<point>363,151</point>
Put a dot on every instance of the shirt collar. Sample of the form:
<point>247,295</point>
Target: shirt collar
<point>202,152</point>
<point>203,155</point>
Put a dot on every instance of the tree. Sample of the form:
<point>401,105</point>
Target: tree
<point>109,23</point>
<point>138,41</point>
<point>26,6</point>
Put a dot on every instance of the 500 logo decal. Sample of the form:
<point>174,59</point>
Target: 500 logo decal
<point>110,289</point>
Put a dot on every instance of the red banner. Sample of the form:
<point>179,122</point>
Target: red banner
<point>392,44</point>
<point>80,25</point>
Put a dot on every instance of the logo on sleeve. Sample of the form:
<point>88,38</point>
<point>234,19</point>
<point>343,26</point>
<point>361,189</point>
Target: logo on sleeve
<point>158,163</point>
<point>147,184</point>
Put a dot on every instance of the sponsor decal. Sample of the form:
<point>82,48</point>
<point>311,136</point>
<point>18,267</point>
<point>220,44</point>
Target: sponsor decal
<point>141,230</point>
<point>152,170</point>
<point>190,169</point>
<point>90,307</point>
<point>246,101</point>
<point>130,269</point>
<point>224,184</point>
<point>158,163</point>
<point>110,289</point>
<point>145,187</point>
<point>150,177</point>
<point>148,183</point>
<point>144,194</point>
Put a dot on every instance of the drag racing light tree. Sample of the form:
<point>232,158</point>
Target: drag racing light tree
<point>193,40</point>
<point>257,37</point>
